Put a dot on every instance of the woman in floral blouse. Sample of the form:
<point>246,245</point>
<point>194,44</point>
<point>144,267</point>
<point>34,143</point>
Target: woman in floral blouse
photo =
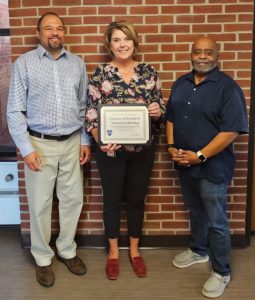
<point>124,169</point>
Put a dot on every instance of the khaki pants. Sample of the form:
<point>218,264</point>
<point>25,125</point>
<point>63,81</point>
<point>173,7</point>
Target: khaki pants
<point>61,166</point>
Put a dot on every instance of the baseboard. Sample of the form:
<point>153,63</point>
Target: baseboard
<point>156,241</point>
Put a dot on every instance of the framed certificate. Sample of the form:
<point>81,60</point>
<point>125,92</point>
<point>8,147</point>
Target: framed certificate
<point>124,124</point>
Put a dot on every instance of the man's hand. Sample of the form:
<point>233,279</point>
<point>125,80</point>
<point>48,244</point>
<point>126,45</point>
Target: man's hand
<point>33,161</point>
<point>85,153</point>
<point>186,158</point>
<point>173,152</point>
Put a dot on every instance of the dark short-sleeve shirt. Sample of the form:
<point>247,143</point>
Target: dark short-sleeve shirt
<point>200,112</point>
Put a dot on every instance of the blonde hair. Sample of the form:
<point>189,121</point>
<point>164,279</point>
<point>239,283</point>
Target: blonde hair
<point>125,27</point>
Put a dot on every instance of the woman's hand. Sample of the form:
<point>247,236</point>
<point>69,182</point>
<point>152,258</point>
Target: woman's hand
<point>110,147</point>
<point>154,110</point>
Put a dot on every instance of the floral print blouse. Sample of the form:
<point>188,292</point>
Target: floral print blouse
<point>107,86</point>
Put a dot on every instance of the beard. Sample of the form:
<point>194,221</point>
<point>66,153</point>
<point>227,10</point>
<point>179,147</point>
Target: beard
<point>55,46</point>
<point>203,66</point>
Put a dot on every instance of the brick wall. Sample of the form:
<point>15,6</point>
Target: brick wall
<point>167,29</point>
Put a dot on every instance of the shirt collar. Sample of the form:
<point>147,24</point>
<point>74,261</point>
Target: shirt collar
<point>42,52</point>
<point>211,76</point>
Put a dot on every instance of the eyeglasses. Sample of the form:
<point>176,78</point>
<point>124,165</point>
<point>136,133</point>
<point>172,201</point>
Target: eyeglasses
<point>207,52</point>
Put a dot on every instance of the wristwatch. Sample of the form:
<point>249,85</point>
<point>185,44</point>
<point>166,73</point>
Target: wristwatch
<point>201,156</point>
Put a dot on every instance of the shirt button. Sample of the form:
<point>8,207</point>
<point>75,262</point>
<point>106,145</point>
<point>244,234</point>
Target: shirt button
<point>185,117</point>
<point>194,89</point>
<point>188,102</point>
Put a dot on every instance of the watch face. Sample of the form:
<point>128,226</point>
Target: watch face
<point>202,158</point>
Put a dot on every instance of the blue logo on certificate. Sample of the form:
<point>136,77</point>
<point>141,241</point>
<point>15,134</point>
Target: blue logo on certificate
<point>109,132</point>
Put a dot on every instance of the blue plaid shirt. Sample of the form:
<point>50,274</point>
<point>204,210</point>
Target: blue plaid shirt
<point>48,96</point>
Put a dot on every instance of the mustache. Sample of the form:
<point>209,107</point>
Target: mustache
<point>201,61</point>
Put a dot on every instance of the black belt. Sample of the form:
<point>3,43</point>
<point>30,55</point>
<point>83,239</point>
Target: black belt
<point>49,137</point>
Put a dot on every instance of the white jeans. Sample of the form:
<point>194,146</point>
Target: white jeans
<point>61,166</point>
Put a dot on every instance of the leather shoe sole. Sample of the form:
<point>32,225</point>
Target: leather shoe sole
<point>45,276</point>
<point>75,265</point>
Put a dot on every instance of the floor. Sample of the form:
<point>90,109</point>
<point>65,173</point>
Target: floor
<point>17,276</point>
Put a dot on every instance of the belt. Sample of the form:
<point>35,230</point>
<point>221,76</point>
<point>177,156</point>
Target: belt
<point>49,137</point>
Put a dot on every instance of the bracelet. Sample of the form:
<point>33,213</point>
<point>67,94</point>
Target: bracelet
<point>170,145</point>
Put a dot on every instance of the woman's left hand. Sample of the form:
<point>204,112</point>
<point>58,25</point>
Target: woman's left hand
<point>154,110</point>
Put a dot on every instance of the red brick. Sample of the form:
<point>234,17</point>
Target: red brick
<point>237,27</point>
<point>159,38</point>
<point>174,47</point>
<point>238,47</point>
<point>175,9</point>
<point>97,20</point>
<point>191,19</point>
<point>245,17</point>
<point>15,22</point>
<point>66,2</point>
<point>151,224</point>
<point>175,224</point>
<point>144,10</point>
<point>206,28</point>
<point>34,3</point>
<point>238,8</point>
<point>158,57</point>
<point>159,216</point>
<point>236,65</point>
<point>175,28</point>
<point>23,12</point>
<point>245,36</point>
<point>191,2</point>
<point>146,29</point>
<point>130,2</point>
<point>160,2</point>
<point>221,18</point>
<point>207,9</point>
<point>58,10</point>
<point>112,10</point>
<point>97,2</point>
<point>82,29</point>
<point>82,11</point>
<point>152,207</point>
<point>14,3</point>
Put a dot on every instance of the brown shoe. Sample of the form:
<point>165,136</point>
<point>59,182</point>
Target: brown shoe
<point>75,265</point>
<point>138,265</point>
<point>112,269</point>
<point>45,276</point>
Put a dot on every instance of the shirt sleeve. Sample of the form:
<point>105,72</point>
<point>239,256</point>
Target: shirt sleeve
<point>85,137</point>
<point>234,115</point>
<point>157,94</point>
<point>94,98</point>
<point>16,108</point>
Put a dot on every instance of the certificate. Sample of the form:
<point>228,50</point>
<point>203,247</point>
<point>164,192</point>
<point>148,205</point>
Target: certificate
<point>124,124</point>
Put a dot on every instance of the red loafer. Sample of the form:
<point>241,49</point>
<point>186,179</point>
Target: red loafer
<point>112,269</point>
<point>138,265</point>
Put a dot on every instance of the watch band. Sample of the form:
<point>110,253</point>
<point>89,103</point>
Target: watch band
<point>201,156</point>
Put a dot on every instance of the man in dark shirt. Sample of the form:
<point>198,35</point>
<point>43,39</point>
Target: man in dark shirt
<point>205,113</point>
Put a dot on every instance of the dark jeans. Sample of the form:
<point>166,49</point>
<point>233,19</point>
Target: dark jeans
<point>207,203</point>
<point>124,178</point>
